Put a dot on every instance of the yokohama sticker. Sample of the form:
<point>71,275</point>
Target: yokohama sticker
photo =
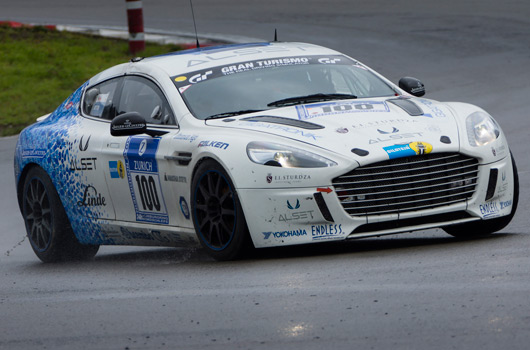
<point>144,180</point>
<point>285,234</point>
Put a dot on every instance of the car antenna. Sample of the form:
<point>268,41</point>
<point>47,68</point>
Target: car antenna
<point>194,25</point>
<point>275,35</point>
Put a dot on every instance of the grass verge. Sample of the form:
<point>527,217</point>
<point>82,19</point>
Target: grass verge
<point>40,68</point>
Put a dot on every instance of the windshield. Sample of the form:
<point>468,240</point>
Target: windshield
<point>270,83</point>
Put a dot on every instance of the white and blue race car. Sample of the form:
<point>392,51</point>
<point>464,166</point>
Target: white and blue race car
<point>256,145</point>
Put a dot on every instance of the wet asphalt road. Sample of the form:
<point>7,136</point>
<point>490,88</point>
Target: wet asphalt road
<point>423,290</point>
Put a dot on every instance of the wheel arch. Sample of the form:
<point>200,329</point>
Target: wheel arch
<point>205,158</point>
<point>22,180</point>
<point>239,239</point>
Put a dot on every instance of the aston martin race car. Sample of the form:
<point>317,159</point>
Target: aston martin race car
<point>256,145</point>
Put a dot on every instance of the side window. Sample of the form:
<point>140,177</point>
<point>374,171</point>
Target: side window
<point>99,100</point>
<point>143,96</point>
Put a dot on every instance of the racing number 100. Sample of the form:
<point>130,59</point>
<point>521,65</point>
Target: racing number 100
<point>346,107</point>
<point>148,192</point>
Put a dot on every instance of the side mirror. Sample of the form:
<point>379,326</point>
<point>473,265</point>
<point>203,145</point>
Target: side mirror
<point>412,85</point>
<point>128,124</point>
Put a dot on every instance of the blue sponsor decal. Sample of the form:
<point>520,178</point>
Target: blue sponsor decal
<point>116,169</point>
<point>315,110</point>
<point>33,153</point>
<point>434,109</point>
<point>285,234</point>
<point>321,232</point>
<point>505,204</point>
<point>183,137</point>
<point>398,151</point>
<point>144,181</point>
<point>296,206</point>
<point>489,209</point>
<point>215,144</point>
<point>113,168</point>
<point>184,208</point>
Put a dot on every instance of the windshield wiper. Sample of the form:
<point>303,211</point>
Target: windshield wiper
<point>310,98</point>
<point>231,114</point>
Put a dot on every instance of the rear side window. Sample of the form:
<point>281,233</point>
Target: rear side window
<point>99,100</point>
<point>144,97</point>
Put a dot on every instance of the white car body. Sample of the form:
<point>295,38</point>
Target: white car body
<point>282,206</point>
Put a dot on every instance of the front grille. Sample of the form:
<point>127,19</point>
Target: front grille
<point>407,184</point>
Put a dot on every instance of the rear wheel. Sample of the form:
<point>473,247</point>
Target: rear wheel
<point>217,213</point>
<point>47,225</point>
<point>486,227</point>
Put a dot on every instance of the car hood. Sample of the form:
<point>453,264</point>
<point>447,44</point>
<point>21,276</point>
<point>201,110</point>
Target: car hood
<point>382,127</point>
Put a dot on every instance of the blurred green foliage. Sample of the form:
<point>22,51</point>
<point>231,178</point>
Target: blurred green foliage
<point>40,68</point>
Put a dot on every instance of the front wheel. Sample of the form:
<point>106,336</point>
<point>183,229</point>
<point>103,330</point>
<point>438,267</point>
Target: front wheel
<point>217,214</point>
<point>487,227</point>
<point>47,225</point>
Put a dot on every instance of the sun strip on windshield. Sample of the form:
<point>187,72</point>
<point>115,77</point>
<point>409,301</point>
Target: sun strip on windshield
<point>184,81</point>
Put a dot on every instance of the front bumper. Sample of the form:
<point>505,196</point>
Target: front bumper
<point>287,216</point>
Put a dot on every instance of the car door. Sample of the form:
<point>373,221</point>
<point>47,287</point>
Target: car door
<point>136,164</point>
<point>85,159</point>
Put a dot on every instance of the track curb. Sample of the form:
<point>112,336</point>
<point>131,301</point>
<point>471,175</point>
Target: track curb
<point>184,39</point>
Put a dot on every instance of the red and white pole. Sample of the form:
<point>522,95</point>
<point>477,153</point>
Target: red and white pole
<point>135,19</point>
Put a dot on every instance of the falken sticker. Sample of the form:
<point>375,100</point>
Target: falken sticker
<point>332,108</point>
<point>144,180</point>
<point>406,150</point>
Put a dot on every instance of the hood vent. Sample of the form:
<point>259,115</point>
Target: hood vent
<point>284,121</point>
<point>407,105</point>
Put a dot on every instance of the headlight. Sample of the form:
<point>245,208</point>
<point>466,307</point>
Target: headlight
<point>274,154</point>
<point>481,129</point>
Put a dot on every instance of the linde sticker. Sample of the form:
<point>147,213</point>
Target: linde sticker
<point>333,108</point>
<point>144,180</point>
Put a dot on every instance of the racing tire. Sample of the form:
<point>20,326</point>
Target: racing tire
<point>217,214</point>
<point>47,226</point>
<point>487,227</point>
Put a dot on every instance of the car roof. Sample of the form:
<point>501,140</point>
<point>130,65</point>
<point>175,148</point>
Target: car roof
<point>203,58</point>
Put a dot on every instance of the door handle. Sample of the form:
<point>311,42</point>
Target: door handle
<point>183,158</point>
